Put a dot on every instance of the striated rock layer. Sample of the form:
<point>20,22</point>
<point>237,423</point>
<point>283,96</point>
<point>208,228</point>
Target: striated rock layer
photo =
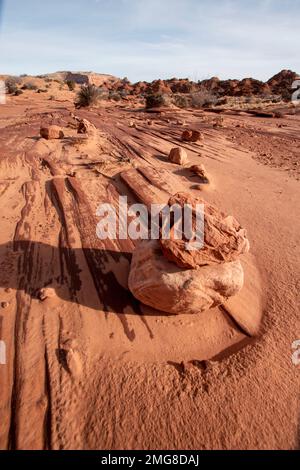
<point>224,239</point>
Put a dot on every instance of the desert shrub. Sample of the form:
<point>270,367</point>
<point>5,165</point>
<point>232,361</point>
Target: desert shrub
<point>114,95</point>
<point>279,114</point>
<point>29,86</point>
<point>11,85</point>
<point>18,92</point>
<point>40,90</point>
<point>71,85</point>
<point>222,101</point>
<point>156,100</point>
<point>182,101</point>
<point>88,95</point>
<point>203,98</point>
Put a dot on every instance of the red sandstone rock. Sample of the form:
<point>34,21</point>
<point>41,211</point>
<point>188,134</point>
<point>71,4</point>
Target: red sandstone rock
<point>224,239</point>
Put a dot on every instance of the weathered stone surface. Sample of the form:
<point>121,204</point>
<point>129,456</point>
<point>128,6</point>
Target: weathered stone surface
<point>160,284</point>
<point>224,239</point>
<point>178,156</point>
<point>51,132</point>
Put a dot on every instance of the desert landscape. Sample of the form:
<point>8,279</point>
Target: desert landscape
<point>129,344</point>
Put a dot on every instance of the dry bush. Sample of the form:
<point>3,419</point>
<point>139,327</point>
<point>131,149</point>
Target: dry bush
<point>181,101</point>
<point>88,95</point>
<point>29,86</point>
<point>12,85</point>
<point>115,96</point>
<point>71,84</point>
<point>203,98</point>
<point>156,100</point>
<point>279,114</point>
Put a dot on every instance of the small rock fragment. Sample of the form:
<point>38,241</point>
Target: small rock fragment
<point>191,136</point>
<point>46,293</point>
<point>178,156</point>
<point>200,171</point>
<point>186,136</point>
<point>51,132</point>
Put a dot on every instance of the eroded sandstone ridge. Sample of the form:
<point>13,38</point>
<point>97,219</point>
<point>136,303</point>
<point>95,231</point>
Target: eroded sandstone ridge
<point>167,276</point>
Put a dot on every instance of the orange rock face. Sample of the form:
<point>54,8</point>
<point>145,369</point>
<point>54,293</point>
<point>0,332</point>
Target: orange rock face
<point>224,239</point>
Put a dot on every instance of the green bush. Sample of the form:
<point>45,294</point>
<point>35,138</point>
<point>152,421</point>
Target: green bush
<point>88,95</point>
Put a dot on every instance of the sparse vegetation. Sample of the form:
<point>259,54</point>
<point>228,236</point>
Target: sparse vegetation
<point>157,100</point>
<point>279,114</point>
<point>115,96</point>
<point>71,84</point>
<point>18,92</point>
<point>182,101</point>
<point>12,85</point>
<point>88,95</point>
<point>203,98</point>
<point>29,86</point>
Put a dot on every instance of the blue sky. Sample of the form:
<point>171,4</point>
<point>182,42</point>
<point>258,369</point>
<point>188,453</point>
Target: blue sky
<point>148,39</point>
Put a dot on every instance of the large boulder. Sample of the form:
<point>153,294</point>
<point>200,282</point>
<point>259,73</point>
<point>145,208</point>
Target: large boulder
<point>224,240</point>
<point>160,284</point>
